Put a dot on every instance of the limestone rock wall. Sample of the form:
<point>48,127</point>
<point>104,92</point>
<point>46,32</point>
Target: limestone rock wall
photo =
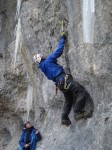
<point>30,26</point>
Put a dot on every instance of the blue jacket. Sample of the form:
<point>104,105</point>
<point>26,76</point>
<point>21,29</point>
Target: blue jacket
<point>49,66</point>
<point>34,140</point>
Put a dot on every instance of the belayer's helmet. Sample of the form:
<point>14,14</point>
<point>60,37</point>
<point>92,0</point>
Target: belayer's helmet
<point>37,58</point>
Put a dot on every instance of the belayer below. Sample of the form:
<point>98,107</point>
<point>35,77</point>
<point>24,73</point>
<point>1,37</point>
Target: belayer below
<point>74,93</point>
<point>29,137</point>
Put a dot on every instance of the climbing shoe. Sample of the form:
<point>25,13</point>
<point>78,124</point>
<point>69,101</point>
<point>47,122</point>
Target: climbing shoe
<point>82,115</point>
<point>87,115</point>
<point>66,122</point>
<point>79,116</point>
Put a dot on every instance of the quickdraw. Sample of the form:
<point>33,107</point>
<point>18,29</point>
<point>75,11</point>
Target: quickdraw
<point>67,85</point>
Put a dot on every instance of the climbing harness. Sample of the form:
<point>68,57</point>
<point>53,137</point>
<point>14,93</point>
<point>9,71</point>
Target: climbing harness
<point>64,86</point>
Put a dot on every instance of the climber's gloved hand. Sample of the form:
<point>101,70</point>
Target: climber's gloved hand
<point>64,35</point>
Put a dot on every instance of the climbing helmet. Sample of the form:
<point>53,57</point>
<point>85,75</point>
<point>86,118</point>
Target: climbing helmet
<point>37,58</point>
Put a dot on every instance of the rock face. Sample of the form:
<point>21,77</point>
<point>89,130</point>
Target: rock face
<point>27,27</point>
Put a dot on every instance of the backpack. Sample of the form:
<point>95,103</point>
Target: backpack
<point>39,136</point>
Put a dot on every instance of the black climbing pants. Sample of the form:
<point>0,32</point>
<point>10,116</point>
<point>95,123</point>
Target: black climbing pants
<point>27,148</point>
<point>75,96</point>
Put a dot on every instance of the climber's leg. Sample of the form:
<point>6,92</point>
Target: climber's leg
<point>84,106</point>
<point>89,106</point>
<point>80,98</point>
<point>67,107</point>
<point>80,101</point>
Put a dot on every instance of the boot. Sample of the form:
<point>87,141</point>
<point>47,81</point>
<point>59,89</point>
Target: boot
<point>79,116</point>
<point>82,115</point>
<point>87,114</point>
<point>66,122</point>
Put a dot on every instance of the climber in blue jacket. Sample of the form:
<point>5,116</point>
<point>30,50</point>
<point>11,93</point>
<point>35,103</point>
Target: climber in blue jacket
<point>74,93</point>
<point>29,137</point>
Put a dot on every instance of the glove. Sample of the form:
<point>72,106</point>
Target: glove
<point>64,35</point>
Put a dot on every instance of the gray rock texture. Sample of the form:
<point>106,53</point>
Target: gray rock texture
<point>30,26</point>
